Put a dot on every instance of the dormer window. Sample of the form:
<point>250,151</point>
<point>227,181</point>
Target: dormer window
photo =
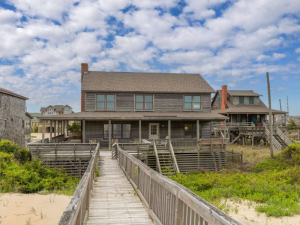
<point>241,100</point>
<point>192,102</point>
<point>251,100</point>
<point>50,111</point>
<point>67,110</point>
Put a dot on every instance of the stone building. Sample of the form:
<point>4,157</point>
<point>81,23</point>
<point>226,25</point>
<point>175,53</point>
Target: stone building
<point>13,117</point>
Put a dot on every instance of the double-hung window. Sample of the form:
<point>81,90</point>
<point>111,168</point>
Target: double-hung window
<point>118,131</point>
<point>192,102</point>
<point>105,102</point>
<point>144,102</point>
<point>50,111</point>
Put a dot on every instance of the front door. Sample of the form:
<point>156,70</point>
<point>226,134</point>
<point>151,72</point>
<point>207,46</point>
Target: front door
<point>254,119</point>
<point>153,131</point>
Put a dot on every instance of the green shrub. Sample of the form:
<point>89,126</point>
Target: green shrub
<point>19,173</point>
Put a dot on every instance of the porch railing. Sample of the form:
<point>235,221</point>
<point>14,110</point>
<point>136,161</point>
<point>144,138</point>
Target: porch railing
<point>78,208</point>
<point>173,157</point>
<point>58,138</point>
<point>156,156</point>
<point>232,124</point>
<point>184,143</point>
<point>167,201</point>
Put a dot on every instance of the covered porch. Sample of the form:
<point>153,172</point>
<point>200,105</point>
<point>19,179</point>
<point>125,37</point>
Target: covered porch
<point>132,128</point>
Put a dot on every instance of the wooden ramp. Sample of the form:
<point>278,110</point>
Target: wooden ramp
<point>114,200</point>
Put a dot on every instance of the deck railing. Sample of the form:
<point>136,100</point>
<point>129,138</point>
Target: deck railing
<point>232,124</point>
<point>184,144</point>
<point>283,137</point>
<point>77,210</point>
<point>167,201</point>
<point>58,138</point>
<point>170,146</point>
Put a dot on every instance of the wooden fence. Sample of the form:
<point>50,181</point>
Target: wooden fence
<point>74,158</point>
<point>167,201</point>
<point>78,209</point>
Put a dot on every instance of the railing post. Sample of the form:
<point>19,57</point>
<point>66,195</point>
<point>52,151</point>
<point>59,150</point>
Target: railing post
<point>179,210</point>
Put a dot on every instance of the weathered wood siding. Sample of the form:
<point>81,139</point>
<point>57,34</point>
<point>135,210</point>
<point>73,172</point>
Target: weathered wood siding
<point>216,104</point>
<point>95,130</point>
<point>161,102</point>
<point>12,109</point>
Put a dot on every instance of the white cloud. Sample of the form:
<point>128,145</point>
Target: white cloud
<point>286,78</point>
<point>281,88</point>
<point>254,81</point>
<point>275,56</point>
<point>297,50</point>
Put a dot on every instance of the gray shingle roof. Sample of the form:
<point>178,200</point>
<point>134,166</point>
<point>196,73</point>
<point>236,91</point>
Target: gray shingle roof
<point>144,82</point>
<point>247,109</point>
<point>242,93</point>
<point>57,108</point>
<point>136,115</point>
<point>5,91</point>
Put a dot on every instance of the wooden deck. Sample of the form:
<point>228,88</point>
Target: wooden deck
<point>114,200</point>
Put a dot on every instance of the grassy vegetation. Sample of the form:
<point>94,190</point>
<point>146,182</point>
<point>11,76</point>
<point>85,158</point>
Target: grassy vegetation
<point>18,173</point>
<point>273,184</point>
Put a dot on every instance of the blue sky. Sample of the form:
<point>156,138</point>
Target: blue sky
<point>42,44</point>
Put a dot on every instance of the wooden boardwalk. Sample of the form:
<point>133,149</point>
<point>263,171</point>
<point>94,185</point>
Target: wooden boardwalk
<point>114,200</point>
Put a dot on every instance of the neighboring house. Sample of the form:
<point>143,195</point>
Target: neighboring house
<point>13,118</point>
<point>35,122</point>
<point>133,105</point>
<point>243,106</point>
<point>52,110</point>
<point>28,118</point>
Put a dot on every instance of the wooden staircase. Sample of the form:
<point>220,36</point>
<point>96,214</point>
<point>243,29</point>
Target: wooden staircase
<point>281,142</point>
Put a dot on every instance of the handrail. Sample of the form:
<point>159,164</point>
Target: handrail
<point>252,124</point>
<point>173,156</point>
<point>283,137</point>
<point>275,142</point>
<point>80,201</point>
<point>230,124</point>
<point>167,201</point>
<point>156,156</point>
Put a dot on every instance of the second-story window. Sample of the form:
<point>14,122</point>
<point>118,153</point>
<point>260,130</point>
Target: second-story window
<point>143,102</point>
<point>105,102</point>
<point>192,102</point>
<point>50,111</point>
<point>251,100</point>
<point>241,100</point>
<point>67,110</point>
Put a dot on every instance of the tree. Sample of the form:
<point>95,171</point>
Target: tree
<point>291,125</point>
<point>75,127</point>
<point>35,129</point>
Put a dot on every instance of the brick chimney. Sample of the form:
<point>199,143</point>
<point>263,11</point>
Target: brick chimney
<point>224,97</point>
<point>84,68</point>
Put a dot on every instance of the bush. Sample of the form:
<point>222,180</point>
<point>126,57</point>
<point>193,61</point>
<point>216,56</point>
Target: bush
<point>291,125</point>
<point>75,127</point>
<point>19,173</point>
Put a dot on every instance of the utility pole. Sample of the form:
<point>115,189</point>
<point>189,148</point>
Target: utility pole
<point>280,104</point>
<point>270,117</point>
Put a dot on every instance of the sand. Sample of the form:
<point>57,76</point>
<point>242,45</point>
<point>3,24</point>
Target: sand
<point>18,208</point>
<point>248,216</point>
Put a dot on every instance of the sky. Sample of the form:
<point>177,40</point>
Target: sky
<point>43,43</point>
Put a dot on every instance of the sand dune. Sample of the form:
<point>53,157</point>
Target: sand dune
<point>16,208</point>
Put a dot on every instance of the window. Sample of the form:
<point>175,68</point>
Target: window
<point>49,111</point>
<point>251,100</point>
<point>241,100</point>
<point>190,130</point>
<point>118,131</point>
<point>67,110</point>
<point>192,102</point>
<point>105,102</point>
<point>143,102</point>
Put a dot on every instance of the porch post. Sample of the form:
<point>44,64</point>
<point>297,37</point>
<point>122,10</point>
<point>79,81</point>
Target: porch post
<point>54,128</point>
<point>66,122</point>
<point>83,131</point>
<point>50,131</point>
<point>224,128</point>
<point>198,133</point>
<point>169,129</point>
<point>109,134</point>
<point>58,127</point>
<point>247,119</point>
<point>140,131</point>
<point>63,127</point>
<point>43,132</point>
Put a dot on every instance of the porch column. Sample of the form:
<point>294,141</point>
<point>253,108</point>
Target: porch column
<point>198,133</point>
<point>247,118</point>
<point>58,131</point>
<point>109,134</point>
<point>83,131</point>
<point>50,131</point>
<point>63,127</point>
<point>140,131</point>
<point>54,128</point>
<point>224,128</point>
<point>43,132</point>
<point>169,129</point>
<point>66,122</point>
